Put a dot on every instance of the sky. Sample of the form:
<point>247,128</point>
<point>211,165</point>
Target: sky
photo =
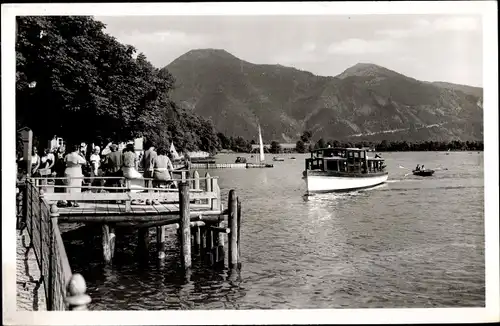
<point>426,47</point>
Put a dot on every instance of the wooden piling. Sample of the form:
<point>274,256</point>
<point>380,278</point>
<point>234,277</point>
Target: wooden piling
<point>196,184</point>
<point>197,238</point>
<point>185,227</point>
<point>112,240</point>
<point>233,226</point>
<point>208,246</point>
<point>160,241</point>
<point>108,243</point>
<point>239,228</point>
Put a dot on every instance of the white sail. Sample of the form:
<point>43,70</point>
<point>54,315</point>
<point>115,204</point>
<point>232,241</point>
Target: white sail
<point>261,147</point>
<point>174,153</point>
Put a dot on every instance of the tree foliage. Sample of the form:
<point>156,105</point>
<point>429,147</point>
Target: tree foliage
<point>306,136</point>
<point>300,146</point>
<point>275,147</point>
<point>89,87</point>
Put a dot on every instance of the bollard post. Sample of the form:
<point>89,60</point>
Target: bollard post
<point>76,298</point>
<point>185,226</point>
<point>196,181</point>
<point>214,205</point>
<point>233,226</point>
<point>208,184</point>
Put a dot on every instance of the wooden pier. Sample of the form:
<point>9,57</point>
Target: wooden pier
<point>208,166</point>
<point>194,209</point>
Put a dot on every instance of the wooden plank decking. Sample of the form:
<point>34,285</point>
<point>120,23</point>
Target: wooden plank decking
<point>102,208</point>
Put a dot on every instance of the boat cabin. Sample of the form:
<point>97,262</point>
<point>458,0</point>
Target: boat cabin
<point>345,160</point>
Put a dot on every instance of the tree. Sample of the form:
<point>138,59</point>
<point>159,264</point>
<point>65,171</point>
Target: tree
<point>275,147</point>
<point>306,136</point>
<point>320,144</point>
<point>88,87</point>
<point>300,146</point>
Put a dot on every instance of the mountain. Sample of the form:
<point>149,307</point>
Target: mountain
<point>366,101</point>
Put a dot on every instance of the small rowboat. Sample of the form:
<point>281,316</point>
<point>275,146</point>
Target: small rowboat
<point>423,173</point>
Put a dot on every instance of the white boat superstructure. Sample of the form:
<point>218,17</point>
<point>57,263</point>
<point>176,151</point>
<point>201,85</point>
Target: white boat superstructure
<point>343,169</point>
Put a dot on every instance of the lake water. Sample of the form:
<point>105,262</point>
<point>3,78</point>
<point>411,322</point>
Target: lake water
<point>411,243</point>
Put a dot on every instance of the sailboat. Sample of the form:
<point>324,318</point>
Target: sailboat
<point>261,147</point>
<point>261,158</point>
<point>174,153</point>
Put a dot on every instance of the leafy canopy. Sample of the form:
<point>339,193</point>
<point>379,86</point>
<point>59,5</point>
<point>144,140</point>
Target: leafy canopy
<point>77,82</point>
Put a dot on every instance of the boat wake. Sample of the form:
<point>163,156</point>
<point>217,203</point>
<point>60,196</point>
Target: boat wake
<point>330,196</point>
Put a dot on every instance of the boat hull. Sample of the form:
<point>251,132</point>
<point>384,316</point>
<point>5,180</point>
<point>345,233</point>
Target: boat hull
<point>317,183</point>
<point>426,173</point>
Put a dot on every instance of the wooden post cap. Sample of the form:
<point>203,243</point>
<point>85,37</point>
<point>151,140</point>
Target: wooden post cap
<point>76,298</point>
<point>54,209</point>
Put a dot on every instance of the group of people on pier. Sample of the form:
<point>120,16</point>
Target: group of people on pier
<point>78,166</point>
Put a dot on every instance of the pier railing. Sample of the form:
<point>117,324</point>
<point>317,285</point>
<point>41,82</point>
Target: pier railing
<point>203,190</point>
<point>63,289</point>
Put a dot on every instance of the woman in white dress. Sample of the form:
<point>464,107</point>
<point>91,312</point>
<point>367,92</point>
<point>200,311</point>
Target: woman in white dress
<point>74,162</point>
<point>35,162</point>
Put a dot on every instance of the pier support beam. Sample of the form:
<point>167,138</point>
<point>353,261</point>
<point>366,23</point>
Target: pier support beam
<point>233,226</point>
<point>185,226</point>
<point>218,253</point>
<point>108,243</point>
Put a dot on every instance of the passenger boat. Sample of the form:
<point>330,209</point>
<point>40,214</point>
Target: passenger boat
<point>278,159</point>
<point>343,169</point>
<point>423,173</point>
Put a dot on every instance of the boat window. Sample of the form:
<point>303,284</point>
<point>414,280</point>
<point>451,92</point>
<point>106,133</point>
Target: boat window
<point>362,154</point>
<point>332,165</point>
<point>356,154</point>
<point>349,154</point>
